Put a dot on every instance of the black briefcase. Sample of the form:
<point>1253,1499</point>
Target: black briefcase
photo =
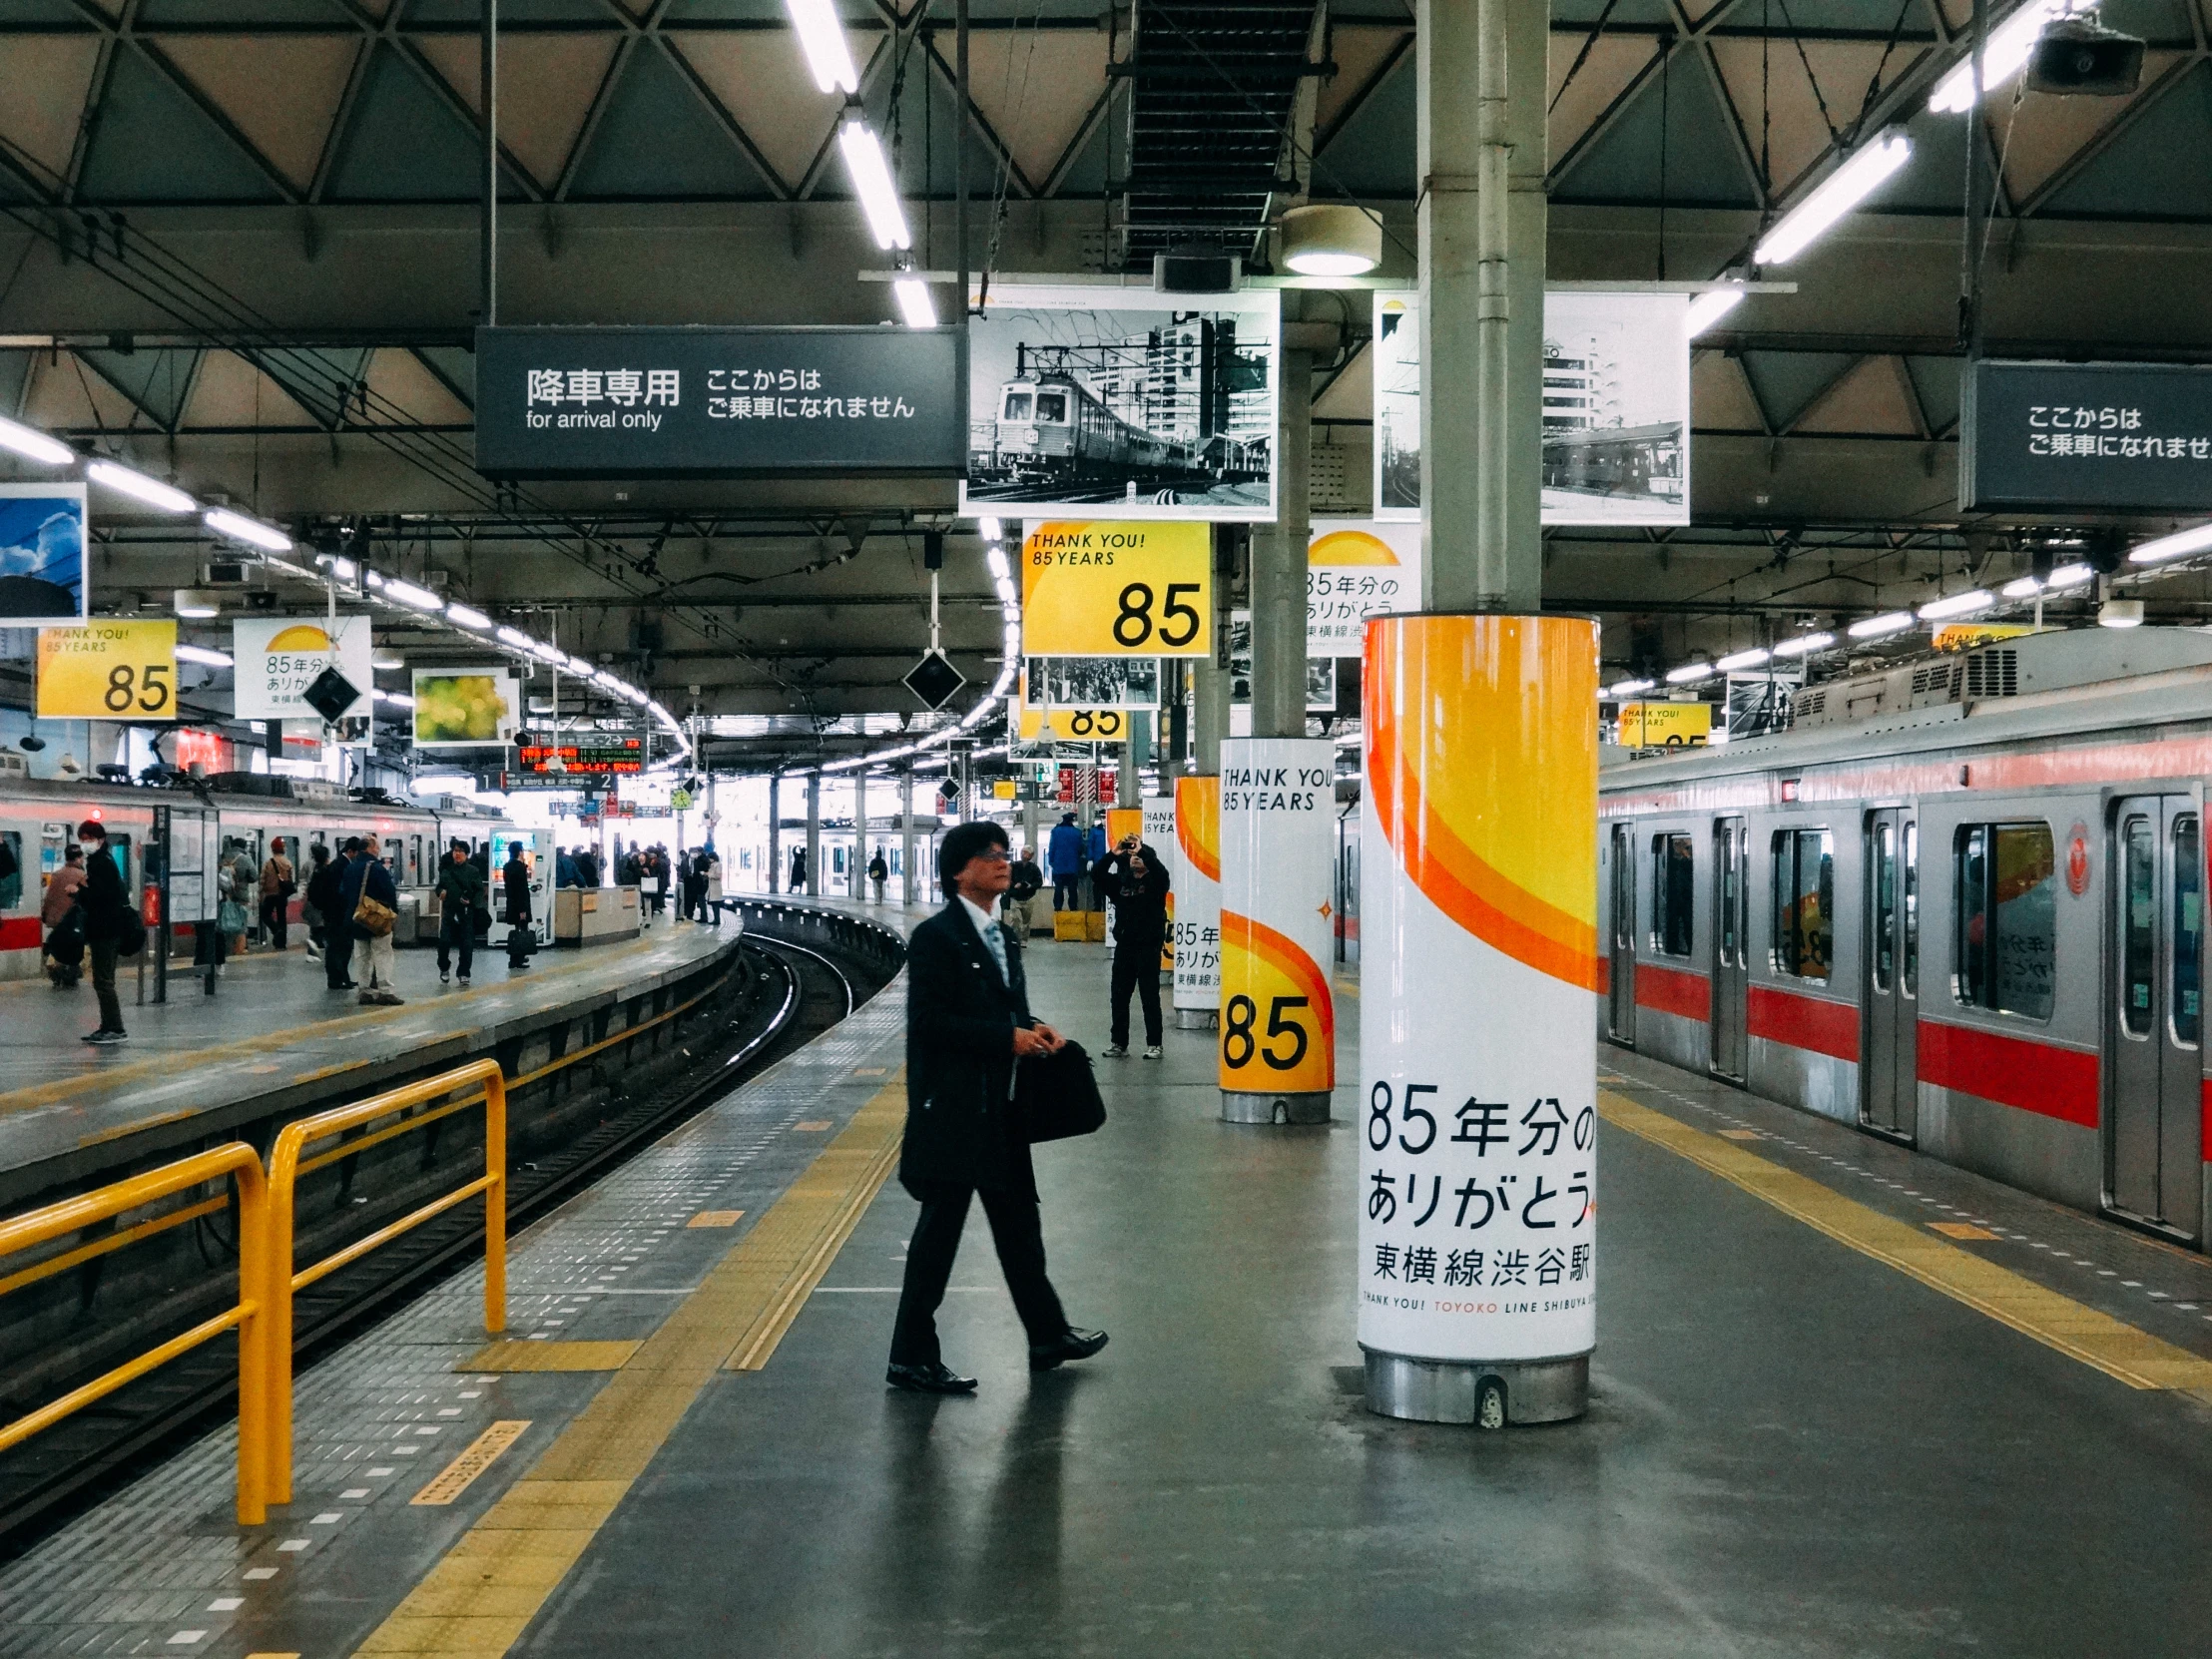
<point>1055,1095</point>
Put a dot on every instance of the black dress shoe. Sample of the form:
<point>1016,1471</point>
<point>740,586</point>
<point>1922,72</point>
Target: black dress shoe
<point>934,1379</point>
<point>1071,1344</point>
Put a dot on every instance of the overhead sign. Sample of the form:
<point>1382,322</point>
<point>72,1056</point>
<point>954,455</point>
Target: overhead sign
<point>108,671</point>
<point>42,554</point>
<point>1616,392</point>
<point>716,402</point>
<point>602,753</point>
<point>1071,724</point>
<point>465,706</point>
<point>1114,589</point>
<point>1155,405</point>
<point>278,657</point>
<point>1665,725</point>
<point>1354,569</point>
<point>2131,437</point>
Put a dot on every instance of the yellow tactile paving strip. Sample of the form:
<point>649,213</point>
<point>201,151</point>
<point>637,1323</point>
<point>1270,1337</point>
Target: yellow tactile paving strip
<point>2081,1332</point>
<point>480,1596</point>
<point>529,1355</point>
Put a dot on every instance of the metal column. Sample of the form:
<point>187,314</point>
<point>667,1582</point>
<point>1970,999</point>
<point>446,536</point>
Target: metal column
<point>1279,563</point>
<point>775,871</point>
<point>858,880</point>
<point>813,835</point>
<point>906,834</point>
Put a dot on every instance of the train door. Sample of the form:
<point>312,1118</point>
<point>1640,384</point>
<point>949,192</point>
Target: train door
<point>1888,1069</point>
<point>1731,978</point>
<point>1621,1008</point>
<point>2153,1110</point>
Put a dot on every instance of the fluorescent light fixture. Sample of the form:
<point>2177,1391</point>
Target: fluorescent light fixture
<point>914,303</point>
<point>1875,626</point>
<point>406,593</point>
<point>398,700</point>
<point>387,662</point>
<point>1689,674</point>
<point>369,579</point>
<point>822,36</point>
<point>517,638</point>
<point>2179,545</point>
<point>2068,576</point>
<point>1743,659</point>
<point>577,664</point>
<point>871,182</point>
<point>994,560</point>
<point>202,656</point>
<point>990,529</point>
<point>467,618</point>
<point>613,682</point>
<point>1959,604</point>
<point>1709,307</point>
<point>1005,591</point>
<point>152,491</point>
<point>2024,587</point>
<point>2003,56</point>
<point>550,653</point>
<point>196,602</point>
<point>343,569</point>
<point>252,531</point>
<point>1837,195</point>
<point>34,446</point>
<point>1805,645</point>
<point>1627,688</point>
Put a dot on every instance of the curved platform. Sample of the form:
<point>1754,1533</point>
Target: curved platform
<point>1840,1394</point>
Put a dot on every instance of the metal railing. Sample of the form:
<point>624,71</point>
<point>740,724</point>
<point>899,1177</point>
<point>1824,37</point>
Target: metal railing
<point>251,1314</point>
<point>288,1163</point>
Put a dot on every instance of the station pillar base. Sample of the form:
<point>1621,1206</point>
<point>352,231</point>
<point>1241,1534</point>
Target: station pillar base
<point>1194,1019</point>
<point>1486,1393</point>
<point>1245,1106</point>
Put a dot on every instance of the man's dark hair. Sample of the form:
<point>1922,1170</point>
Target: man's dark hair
<point>963,842</point>
<point>353,844</point>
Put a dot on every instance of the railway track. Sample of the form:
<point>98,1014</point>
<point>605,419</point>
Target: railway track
<point>784,995</point>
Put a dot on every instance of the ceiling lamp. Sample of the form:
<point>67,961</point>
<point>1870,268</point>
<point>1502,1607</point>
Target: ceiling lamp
<point>1841,192</point>
<point>34,446</point>
<point>871,182</point>
<point>387,662</point>
<point>1332,239</point>
<point>152,491</point>
<point>198,603</point>
<point>2120,613</point>
<point>914,303</point>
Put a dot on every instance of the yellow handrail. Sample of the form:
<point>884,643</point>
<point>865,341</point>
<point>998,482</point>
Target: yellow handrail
<point>285,1166</point>
<point>251,1313</point>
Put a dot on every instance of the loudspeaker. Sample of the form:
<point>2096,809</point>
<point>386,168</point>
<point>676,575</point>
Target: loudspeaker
<point>2077,58</point>
<point>1196,272</point>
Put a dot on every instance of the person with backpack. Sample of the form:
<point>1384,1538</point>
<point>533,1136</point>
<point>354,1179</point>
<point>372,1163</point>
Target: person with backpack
<point>63,918</point>
<point>279,884</point>
<point>375,913</point>
<point>110,923</point>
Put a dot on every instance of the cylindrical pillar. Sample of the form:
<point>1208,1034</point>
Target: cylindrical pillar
<point>775,832</point>
<point>1126,781</point>
<point>1477,1026</point>
<point>1209,714</point>
<point>1197,939</point>
<point>1278,1048</point>
<point>813,835</point>
<point>907,888</point>
<point>861,889</point>
<point>1279,568</point>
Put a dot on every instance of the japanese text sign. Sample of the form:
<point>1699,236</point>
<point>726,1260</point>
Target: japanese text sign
<point>278,658</point>
<point>1354,569</point>
<point>2127,436</point>
<point>108,671</point>
<point>1106,589</point>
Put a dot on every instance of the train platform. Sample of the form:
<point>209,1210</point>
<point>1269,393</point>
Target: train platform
<point>1846,1402</point>
<point>275,1039</point>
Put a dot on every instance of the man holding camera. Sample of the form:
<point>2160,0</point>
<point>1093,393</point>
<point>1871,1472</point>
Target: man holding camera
<point>1134,878</point>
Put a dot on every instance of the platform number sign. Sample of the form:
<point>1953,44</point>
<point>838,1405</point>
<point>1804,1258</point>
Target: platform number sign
<point>1117,590</point>
<point>122,671</point>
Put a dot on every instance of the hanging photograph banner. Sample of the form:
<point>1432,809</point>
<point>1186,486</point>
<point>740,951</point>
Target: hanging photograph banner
<point>1091,682</point>
<point>456,707</point>
<point>1616,445</point>
<point>1162,406</point>
<point>278,657</point>
<point>1758,703</point>
<point>1357,568</point>
<point>43,575</point>
<point>1196,937</point>
<point>108,671</point>
<point>1116,589</point>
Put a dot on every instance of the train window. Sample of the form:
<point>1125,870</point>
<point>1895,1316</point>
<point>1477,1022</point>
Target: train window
<point>1673,872</point>
<point>1052,406</point>
<point>1911,874</point>
<point>2188,933</point>
<point>1803,902</point>
<point>11,870</point>
<point>1885,942</point>
<point>2008,917</point>
<point>1018,406</point>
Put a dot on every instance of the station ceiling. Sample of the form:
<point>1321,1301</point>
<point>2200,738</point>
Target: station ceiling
<point>238,246</point>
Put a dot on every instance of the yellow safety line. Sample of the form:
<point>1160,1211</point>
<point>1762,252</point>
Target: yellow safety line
<point>478,1598</point>
<point>2112,1346</point>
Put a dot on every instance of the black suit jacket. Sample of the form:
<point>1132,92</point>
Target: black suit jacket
<point>961,1019</point>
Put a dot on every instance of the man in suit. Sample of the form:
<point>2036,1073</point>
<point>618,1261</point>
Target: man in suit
<point>968,1020</point>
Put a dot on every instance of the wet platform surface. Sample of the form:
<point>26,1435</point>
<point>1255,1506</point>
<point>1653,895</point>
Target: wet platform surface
<point>272,1033</point>
<point>1797,1446</point>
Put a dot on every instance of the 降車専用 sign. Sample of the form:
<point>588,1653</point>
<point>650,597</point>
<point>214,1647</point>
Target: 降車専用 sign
<point>716,402</point>
<point>2125,437</point>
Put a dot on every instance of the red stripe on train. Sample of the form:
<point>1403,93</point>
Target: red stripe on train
<point>1671,991</point>
<point>2204,1131</point>
<point>1825,1027</point>
<point>2035,1077</point>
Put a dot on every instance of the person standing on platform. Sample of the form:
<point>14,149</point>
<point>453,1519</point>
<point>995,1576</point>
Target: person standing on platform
<point>878,874</point>
<point>516,882</point>
<point>713,899</point>
<point>968,1020</point>
<point>461,896</point>
<point>378,888</point>
<point>107,915</point>
<point>1064,853</point>
<point>278,886</point>
<point>64,921</point>
<point>338,925</point>
<point>321,891</point>
<point>1135,879</point>
<point>1024,882</point>
<point>234,881</point>
<point>695,885</point>
<point>798,870</point>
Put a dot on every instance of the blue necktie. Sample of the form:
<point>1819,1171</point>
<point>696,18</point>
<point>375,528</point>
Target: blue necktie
<point>995,942</point>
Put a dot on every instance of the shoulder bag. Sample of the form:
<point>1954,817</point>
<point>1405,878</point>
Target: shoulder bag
<point>1055,1095</point>
<point>374,916</point>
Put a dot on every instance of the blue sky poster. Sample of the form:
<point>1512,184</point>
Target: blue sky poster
<point>42,560</point>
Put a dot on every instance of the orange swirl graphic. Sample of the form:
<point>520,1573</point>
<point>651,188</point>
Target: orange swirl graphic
<point>1198,823</point>
<point>1255,960</point>
<point>1482,758</point>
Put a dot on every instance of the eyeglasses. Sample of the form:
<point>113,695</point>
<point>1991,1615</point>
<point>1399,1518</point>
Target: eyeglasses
<point>997,855</point>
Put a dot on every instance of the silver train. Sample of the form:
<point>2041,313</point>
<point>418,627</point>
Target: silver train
<point>39,819</point>
<point>1961,905</point>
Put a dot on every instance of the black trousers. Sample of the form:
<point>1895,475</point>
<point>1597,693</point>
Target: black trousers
<point>1019,1235</point>
<point>1137,969</point>
<point>277,921</point>
<point>337,953</point>
<point>1067,892</point>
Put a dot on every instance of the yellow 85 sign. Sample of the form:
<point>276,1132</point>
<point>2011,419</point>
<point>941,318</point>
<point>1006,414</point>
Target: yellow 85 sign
<point>108,671</point>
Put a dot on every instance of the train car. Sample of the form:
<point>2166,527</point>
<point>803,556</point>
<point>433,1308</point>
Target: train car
<point>1961,905</point>
<point>1616,461</point>
<point>221,819</point>
<point>1052,426</point>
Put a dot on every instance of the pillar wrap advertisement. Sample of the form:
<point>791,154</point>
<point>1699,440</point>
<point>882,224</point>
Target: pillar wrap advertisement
<point>1196,936</point>
<point>1159,835</point>
<point>1479,970</point>
<point>1278,1014</point>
